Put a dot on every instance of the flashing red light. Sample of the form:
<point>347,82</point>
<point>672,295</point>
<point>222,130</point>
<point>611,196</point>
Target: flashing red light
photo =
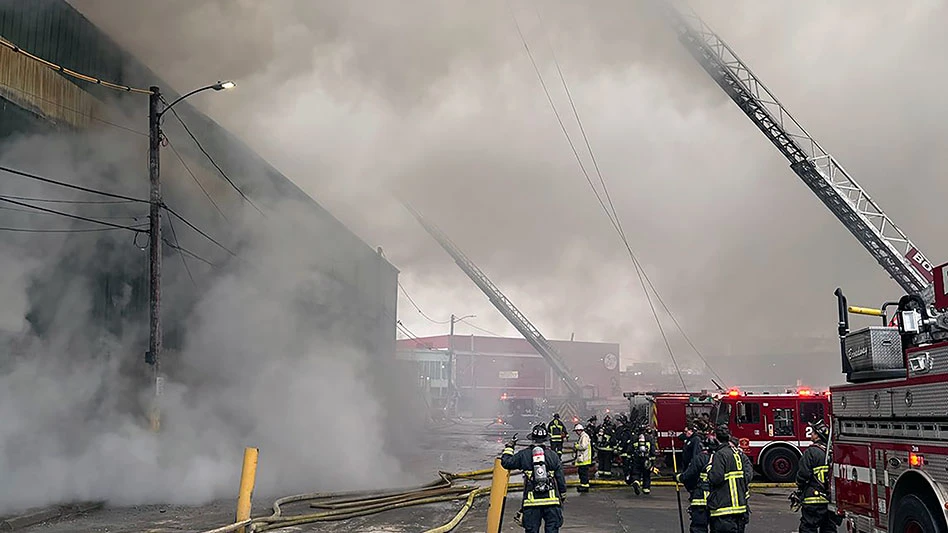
<point>607,411</point>
<point>805,392</point>
<point>733,392</point>
<point>503,396</point>
<point>575,419</point>
<point>916,460</point>
<point>500,420</point>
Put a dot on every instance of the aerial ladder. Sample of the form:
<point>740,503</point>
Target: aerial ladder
<point>819,170</point>
<point>575,399</point>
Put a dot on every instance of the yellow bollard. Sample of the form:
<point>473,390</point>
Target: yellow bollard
<point>498,495</point>
<point>247,479</point>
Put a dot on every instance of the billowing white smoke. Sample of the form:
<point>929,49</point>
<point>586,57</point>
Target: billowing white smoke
<point>271,355</point>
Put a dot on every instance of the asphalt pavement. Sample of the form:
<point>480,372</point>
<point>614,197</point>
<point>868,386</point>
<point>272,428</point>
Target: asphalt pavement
<point>455,448</point>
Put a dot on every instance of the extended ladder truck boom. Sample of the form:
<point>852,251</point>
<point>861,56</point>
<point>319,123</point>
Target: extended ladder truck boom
<point>513,315</point>
<point>819,170</point>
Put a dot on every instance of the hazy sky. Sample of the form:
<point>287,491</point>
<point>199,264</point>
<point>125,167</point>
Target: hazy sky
<point>436,100</point>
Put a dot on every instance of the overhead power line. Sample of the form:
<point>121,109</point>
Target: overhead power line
<point>193,177</point>
<point>487,331</point>
<point>422,313</point>
<point>64,230</point>
<point>70,215</point>
<point>177,246</point>
<point>70,185</point>
<point>64,201</point>
<point>199,230</point>
<point>68,72</point>
<point>213,162</point>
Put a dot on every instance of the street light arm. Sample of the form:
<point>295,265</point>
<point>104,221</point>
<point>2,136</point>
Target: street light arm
<point>219,86</point>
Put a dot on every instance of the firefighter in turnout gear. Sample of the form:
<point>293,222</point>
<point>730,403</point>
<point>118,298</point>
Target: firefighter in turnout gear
<point>642,453</point>
<point>583,457</point>
<point>695,480</point>
<point>624,436</point>
<point>728,478</point>
<point>544,485</point>
<point>813,483</point>
<point>606,446</point>
<point>558,433</point>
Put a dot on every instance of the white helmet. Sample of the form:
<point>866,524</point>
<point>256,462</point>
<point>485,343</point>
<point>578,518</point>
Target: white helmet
<point>578,427</point>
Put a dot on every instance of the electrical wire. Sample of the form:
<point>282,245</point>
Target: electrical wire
<point>487,331</point>
<point>70,215</point>
<point>62,70</point>
<point>193,177</point>
<point>422,313</point>
<point>611,215</point>
<point>90,116</point>
<point>114,217</point>
<point>70,185</point>
<point>63,201</point>
<point>197,229</point>
<point>213,162</point>
<point>177,246</point>
<point>187,252</point>
<point>71,230</point>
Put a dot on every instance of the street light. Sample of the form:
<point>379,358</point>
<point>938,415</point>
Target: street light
<point>153,356</point>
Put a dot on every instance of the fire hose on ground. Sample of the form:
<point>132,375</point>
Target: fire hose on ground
<point>336,506</point>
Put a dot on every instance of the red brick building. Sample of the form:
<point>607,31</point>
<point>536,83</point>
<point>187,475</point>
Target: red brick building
<point>486,368</point>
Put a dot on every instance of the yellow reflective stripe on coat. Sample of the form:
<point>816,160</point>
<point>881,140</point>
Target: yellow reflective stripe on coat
<point>584,463</point>
<point>531,501</point>
<point>735,509</point>
<point>507,451</point>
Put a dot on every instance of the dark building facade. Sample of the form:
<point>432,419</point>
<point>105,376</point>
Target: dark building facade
<point>36,99</point>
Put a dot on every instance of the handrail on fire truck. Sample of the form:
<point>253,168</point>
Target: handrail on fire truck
<point>505,306</point>
<point>819,170</point>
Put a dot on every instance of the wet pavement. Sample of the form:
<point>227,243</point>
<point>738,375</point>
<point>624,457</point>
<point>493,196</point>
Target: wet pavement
<point>453,448</point>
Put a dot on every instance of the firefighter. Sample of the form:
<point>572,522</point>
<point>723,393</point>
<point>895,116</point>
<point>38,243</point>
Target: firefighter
<point>812,481</point>
<point>606,446</point>
<point>642,453</point>
<point>557,434</point>
<point>624,446</point>
<point>695,479</point>
<point>728,485</point>
<point>692,443</point>
<point>544,485</point>
<point>583,449</point>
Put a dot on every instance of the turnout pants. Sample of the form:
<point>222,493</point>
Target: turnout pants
<point>729,523</point>
<point>583,471</point>
<point>550,515</point>
<point>699,518</point>
<point>627,468</point>
<point>642,471</point>
<point>605,463</point>
<point>556,446</point>
<point>816,519</point>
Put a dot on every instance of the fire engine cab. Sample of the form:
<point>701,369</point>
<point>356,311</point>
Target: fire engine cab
<point>772,429</point>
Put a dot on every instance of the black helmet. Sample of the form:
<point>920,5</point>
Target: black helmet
<point>722,433</point>
<point>539,433</point>
<point>820,430</point>
<point>556,416</point>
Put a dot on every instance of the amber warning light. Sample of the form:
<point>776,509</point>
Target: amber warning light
<point>916,460</point>
<point>733,392</point>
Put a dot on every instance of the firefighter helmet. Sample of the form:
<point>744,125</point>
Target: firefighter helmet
<point>539,433</point>
<point>820,430</point>
<point>722,433</point>
<point>556,416</point>
<point>578,427</point>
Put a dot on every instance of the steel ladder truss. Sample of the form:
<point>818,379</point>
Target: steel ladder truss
<point>820,171</point>
<point>506,307</point>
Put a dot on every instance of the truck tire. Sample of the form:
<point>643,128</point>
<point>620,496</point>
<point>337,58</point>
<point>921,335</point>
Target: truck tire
<point>779,465</point>
<point>913,516</point>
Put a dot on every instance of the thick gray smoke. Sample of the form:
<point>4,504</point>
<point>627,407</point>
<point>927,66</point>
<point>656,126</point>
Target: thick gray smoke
<point>438,102</point>
<point>269,354</point>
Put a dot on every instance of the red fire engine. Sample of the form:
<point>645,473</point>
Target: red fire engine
<point>890,422</point>
<point>772,429</point>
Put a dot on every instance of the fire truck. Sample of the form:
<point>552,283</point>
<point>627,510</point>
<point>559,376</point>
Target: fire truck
<point>771,428</point>
<point>889,431</point>
<point>890,421</point>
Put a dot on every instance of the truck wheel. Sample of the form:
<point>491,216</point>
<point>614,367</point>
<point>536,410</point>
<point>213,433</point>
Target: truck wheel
<point>913,516</point>
<point>780,465</point>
